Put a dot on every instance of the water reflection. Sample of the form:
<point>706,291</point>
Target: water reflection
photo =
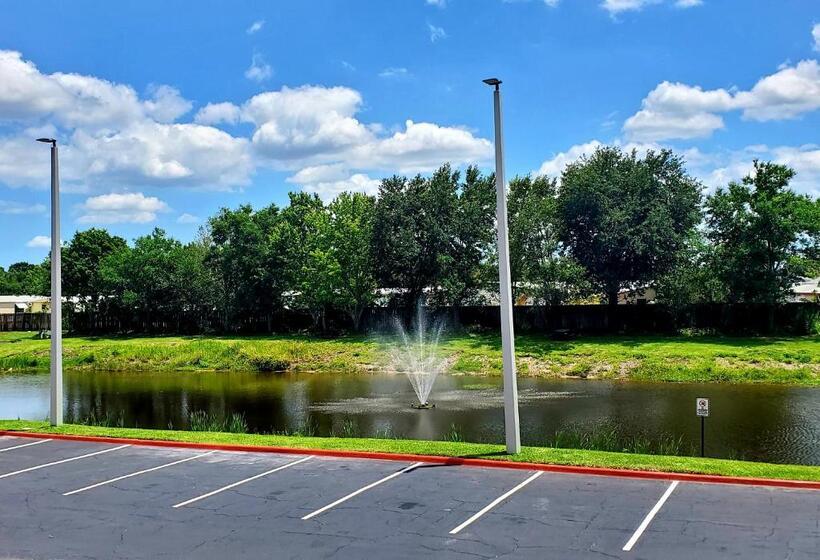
<point>756,422</point>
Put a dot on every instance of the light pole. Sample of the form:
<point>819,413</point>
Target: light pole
<point>56,409</point>
<point>511,424</point>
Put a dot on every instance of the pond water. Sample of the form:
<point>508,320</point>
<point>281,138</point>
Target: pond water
<point>756,422</point>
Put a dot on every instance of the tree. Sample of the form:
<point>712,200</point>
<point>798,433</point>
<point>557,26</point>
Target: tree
<point>693,278</point>
<point>311,268</point>
<point>246,257</point>
<point>351,237</point>
<point>410,233</point>
<point>81,260</point>
<point>24,278</point>
<point>625,219</point>
<point>470,232</point>
<point>538,266</point>
<point>765,234</point>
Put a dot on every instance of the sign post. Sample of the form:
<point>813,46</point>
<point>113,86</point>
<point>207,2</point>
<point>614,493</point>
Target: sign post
<point>702,410</point>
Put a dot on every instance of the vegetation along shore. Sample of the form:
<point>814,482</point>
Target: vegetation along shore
<point>792,360</point>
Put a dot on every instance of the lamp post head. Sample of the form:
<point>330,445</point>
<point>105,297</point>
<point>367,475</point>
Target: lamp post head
<point>495,82</point>
<point>51,141</point>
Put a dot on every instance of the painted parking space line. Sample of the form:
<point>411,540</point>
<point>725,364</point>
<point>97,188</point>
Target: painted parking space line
<point>649,517</point>
<point>60,462</point>
<point>361,490</point>
<point>495,502</point>
<point>240,482</point>
<point>144,471</point>
<point>38,442</point>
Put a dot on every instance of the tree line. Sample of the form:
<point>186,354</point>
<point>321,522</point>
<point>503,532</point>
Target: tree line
<point>615,220</point>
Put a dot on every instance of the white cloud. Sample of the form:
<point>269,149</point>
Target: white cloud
<point>259,70</point>
<point>186,218</point>
<point>554,166</point>
<point>436,33</point>
<point>815,33</point>
<point>437,3</point>
<point>39,242</point>
<point>551,3</point>
<point>394,72</point>
<point>217,113</point>
<point>618,6</point>
<point>255,26</point>
<point>117,208</point>
<point>19,208</point>
<point>108,134</point>
<point>688,3</point>
<point>166,104</point>
<point>328,190</point>
<point>112,138</point>
<point>674,110</point>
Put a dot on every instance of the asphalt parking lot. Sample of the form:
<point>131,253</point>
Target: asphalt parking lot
<point>69,499</point>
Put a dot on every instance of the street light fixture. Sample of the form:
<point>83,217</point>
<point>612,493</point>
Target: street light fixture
<point>511,423</point>
<point>56,408</point>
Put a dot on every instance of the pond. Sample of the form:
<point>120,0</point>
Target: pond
<point>775,423</point>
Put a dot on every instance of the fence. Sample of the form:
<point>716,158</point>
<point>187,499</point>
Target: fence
<point>790,318</point>
<point>25,321</point>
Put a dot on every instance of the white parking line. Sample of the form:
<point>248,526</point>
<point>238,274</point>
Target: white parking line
<point>21,471</point>
<point>495,502</point>
<point>235,484</point>
<point>649,516</point>
<point>360,490</point>
<point>38,442</point>
<point>152,469</point>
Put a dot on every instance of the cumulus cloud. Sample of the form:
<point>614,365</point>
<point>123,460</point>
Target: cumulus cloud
<point>18,208</point>
<point>328,190</point>
<point>255,27</point>
<point>312,125</point>
<point>675,110</point>
<point>218,113</point>
<point>39,242</point>
<point>112,138</point>
<point>109,133</point>
<point>118,208</point>
<point>259,70</point>
<point>186,218</point>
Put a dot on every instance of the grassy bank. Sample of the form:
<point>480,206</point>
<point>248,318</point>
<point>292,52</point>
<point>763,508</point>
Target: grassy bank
<point>451,449</point>
<point>710,359</point>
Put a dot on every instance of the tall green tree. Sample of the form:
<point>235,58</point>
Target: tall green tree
<point>538,266</point>
<point>312,269</point>
<point>351,237</point>
<point>411,232</point>
<point>81,260</point>
<point>625,219</point>
<point>470,231</point>
<point>24,278</point>
<point>246,256</point>
<point>763,233</point>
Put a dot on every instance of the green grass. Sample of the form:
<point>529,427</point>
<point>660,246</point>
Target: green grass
<point>543,455</point>
<point>794,360</point>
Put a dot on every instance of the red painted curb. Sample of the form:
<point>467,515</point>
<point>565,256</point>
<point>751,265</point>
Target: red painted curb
<point>438,460</point>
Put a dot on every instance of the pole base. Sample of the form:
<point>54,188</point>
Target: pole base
<point>422,406</point>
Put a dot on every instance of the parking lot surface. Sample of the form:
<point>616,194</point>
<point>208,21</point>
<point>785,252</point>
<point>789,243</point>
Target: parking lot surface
<point>70,499</point>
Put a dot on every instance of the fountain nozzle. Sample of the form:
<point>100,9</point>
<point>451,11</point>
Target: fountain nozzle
<point>422,406</point>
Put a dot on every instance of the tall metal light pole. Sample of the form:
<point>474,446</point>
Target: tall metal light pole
<point>56,409</point>
<point>511,424</point>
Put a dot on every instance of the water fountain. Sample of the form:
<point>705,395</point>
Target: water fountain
<point>417,356</point>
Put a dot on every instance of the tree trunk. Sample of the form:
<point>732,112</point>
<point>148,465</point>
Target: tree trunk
<point>612,296</point>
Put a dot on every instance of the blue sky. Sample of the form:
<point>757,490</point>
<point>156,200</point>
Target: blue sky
<point>168,111</point>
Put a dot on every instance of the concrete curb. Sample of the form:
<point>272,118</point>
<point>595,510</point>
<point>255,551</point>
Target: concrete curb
<point>438,460</point>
